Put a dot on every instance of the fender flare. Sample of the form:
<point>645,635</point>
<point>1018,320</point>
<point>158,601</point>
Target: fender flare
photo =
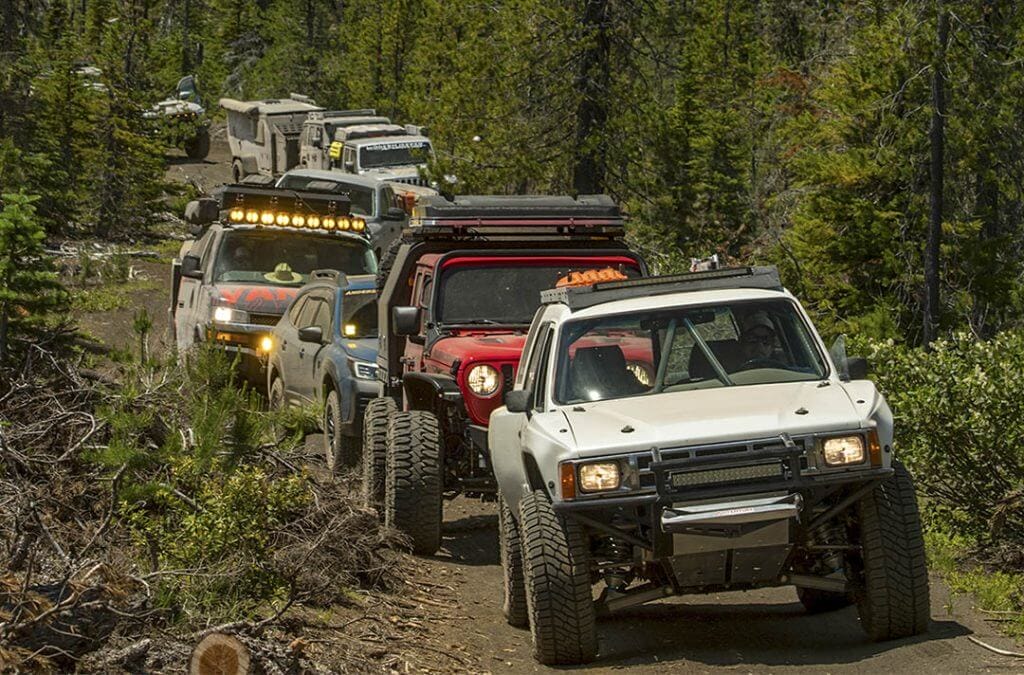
<point>429,391</point>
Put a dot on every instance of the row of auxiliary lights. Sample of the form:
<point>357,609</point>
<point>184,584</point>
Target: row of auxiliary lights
<point>282,219</point>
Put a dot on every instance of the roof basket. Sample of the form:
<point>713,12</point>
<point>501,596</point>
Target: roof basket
<point>517,216</point>
<point>578,297</point>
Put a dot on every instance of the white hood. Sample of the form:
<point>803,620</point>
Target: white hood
<point>708,416</point>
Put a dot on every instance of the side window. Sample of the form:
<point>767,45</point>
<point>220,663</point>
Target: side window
<point>541,380</point>
<point>533,365</point>
<point>307,317</point>
<point>325,319</point>
<point>296,310</point>
<point>387,200</point>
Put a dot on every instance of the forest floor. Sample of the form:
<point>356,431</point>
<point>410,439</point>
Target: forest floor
<point>452,620</point>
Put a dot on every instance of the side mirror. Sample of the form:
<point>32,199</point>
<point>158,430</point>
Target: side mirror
<point>517,401</point>
<point>202,211</point>
<point>191,268</point>
<point>311,334</point>
<point>395,213</point>
<point>406,320</point>
<point>857,367</point>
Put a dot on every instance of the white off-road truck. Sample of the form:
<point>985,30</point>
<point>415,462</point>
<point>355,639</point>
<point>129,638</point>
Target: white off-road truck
<point>692,434</point>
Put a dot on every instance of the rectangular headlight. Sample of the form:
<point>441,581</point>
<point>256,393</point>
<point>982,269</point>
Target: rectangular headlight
<point>229,315</point>
<point>600,476</point>
<point>843,450</point>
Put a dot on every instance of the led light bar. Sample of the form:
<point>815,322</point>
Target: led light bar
<point>276,207</point>
<point>711,476</point>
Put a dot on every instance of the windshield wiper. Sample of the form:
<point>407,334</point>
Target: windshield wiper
<point>478,322</point>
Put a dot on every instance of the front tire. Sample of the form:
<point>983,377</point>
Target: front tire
<point>198,147</point>
<point>375,444</point>
<point>556,563</point>
<point>340,451</point>
<point>513,604</point>
<point>275,395</point>
<point>893,600</point>
<point>412,490</point>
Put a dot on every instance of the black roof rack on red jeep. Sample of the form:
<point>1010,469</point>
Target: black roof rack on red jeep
<point>517,215</point>
<point>579,297</point>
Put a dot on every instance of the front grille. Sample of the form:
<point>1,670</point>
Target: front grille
<point>264,319</point>
<point>508,377</point>
<point>734,450</point>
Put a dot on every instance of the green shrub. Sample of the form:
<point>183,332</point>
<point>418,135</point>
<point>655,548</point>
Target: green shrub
<point>960,428</point>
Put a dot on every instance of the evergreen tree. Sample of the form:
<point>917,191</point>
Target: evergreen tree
<point>29,289</point>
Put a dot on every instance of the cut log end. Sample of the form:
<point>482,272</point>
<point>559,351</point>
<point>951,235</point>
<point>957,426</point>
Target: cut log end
<point>219,654</point>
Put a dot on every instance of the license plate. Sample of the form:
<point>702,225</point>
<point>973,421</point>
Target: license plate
<point>681,479</point>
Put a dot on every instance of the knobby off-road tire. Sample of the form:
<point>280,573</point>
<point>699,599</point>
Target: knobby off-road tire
<point>375,444</point>
<point>412,489</point>
<point>816,601</point>
<point>513,604</point>
<point>275,395</point>
<point>893,598</point>
<point>198,147</point>
<point>340,451</point>
<point>558,597</point>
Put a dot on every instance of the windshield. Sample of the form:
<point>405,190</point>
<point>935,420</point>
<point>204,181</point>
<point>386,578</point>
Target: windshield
<point>359,314</point>
<point>504,293</point>
<point>394,154</point>
<point>679,349</point>
<point>286,259</point>
<point>361,197</point>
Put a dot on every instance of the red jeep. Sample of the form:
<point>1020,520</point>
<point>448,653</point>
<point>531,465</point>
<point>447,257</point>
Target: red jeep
<point>457,295</point>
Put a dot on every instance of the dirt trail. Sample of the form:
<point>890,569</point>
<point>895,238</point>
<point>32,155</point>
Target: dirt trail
<point>759,631</point>
<point>754,631</point>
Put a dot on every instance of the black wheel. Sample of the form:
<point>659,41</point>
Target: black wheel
<point>387,261</point>
<point>275,395</point>
<point>375,443</point>
<point>556,568</point>
<point>892,598</point>
<point>340,451</point>
<point>237,172</point>
<point>816,601</point>
<point>412,488</point>
<point>513,604</point>
<point>198,147</point>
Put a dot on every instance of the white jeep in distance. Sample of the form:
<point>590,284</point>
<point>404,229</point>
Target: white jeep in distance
<point>692,434</point>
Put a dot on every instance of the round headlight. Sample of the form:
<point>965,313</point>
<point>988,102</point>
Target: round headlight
<point>483,380</point>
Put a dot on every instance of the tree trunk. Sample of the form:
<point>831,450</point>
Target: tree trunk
<point>937,141</point>
<point>589,167</point>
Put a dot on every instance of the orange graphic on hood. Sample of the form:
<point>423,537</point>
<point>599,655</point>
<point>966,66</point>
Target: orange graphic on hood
<point>256,295</point>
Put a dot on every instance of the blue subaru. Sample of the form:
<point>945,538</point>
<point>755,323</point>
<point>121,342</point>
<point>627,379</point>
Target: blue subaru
<point>324,350</point>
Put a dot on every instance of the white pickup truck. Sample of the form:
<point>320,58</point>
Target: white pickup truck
<point>692,434</point>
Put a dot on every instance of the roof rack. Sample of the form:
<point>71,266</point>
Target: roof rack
<point>579,297</point>
<point>358,112</point>
<point>516,216</point>
<point>269,199</point>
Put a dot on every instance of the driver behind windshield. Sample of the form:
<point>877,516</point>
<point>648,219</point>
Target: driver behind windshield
<point>757,338</point>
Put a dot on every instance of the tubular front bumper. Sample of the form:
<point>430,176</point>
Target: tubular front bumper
<point>721,480</point>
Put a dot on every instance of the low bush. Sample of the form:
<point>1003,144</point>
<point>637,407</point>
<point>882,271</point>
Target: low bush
<point>959,413</point>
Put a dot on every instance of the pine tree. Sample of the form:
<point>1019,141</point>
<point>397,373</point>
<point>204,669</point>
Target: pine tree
<point>29,289</point>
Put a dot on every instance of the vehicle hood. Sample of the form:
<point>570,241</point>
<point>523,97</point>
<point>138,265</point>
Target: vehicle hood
<point>477,347</point>
<point>257,298</point>
<point>361,349</point>
<point>709,416</point>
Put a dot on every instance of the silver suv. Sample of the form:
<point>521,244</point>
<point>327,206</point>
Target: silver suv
<point>692,434</point>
